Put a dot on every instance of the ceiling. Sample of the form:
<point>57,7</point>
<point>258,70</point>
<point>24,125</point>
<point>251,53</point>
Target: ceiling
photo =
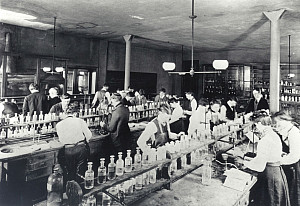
<point>221,25</point>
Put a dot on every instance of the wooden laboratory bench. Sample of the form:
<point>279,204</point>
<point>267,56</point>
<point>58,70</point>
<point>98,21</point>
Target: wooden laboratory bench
<point>24,172</point>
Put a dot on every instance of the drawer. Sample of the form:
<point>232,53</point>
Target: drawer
<point>40,157</point>
<point>40,164</point>
<point>36,174</point>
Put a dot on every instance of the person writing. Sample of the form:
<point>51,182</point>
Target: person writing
<point>74,134</point>
<point>291,159</point>
<point>257,102</point>
<point>157,132</point>
<point>271,183</point>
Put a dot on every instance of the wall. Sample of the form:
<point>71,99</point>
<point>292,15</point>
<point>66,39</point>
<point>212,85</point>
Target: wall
<point>103,54</point>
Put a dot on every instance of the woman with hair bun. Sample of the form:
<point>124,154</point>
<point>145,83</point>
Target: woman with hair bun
<point>272,183</point>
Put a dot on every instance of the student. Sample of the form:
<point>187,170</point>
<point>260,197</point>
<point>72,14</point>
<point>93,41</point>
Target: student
<point>291,160</point>
<point>272,183</point>
<point>257,102</point>
<point>199,119</point>
<point>53,97</point>
<point>161,97</point>
<point>157,132</point>
<point>176,122</point>
<point>228,109</point>
<point>36,101</point>
<point>74,134</point>
<point>61,106</point>
<point>102,98</point>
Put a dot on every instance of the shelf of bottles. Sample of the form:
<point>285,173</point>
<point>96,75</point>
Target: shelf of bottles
<point>143,112</point>
<point>126,181</point>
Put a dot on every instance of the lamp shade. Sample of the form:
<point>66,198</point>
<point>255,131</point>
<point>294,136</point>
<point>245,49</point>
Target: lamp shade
<point>168,66</point>
<point>59,69</point>
<point>220,64</point>
<point>46,69</point>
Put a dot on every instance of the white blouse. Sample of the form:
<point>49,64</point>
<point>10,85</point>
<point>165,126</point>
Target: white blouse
<point>292,140</point>
<point>269,149</point>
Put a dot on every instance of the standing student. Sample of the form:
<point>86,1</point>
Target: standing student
<point>176,121</point>
<point>199,119</point>
<point>228,109</point>
<point>257,102</point>
<point>157,132</point>
<point>271,182</point>
<point>61,106</point>
<point>36,101</point>
<point>291,141</point>
<point>102,98</point>
<point>74,134</point>
<point>53,97</point>
<point>118,126</point>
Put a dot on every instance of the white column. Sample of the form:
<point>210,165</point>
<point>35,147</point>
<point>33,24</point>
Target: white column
<point>128,39</point>
<point>274,17</point>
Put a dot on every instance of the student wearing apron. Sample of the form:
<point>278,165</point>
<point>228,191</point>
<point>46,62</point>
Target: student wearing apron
<point>157,132</point>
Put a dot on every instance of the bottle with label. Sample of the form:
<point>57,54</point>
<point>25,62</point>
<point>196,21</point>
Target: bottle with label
<point>55,187</point>
<point>128,162</point>
<point>44,129</point>
<point>120,165</point>
<point>137,159</point>
<point>89,177</point>
<point>101,172</point>
<point>106,200</point>
<point>111,168</point>
<point>152,176</point>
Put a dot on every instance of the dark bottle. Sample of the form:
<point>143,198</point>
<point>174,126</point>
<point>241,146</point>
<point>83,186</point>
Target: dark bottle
<point>55,187</point>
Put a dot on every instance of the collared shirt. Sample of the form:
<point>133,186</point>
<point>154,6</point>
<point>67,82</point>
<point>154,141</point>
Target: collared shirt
<point>72,130</point>
<point>292,140</point>
<point>194,105</point>
<point>269,149</point>
<point>198,120</point>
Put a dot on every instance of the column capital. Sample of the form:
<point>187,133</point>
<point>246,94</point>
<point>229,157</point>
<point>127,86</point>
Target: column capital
<point>128,37</point>
<point>274,15</point>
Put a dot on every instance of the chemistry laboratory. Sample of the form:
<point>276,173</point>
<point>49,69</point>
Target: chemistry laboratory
<point>149,103</point>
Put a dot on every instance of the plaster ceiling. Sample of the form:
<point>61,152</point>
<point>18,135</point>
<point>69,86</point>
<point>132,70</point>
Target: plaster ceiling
<point>221,25</point>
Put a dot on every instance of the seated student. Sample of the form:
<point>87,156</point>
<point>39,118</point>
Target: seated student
<point>199,119</point>
<point>228,109</point>
<point>176,121</point>
<point>161,97</point>
<point>61,106</point>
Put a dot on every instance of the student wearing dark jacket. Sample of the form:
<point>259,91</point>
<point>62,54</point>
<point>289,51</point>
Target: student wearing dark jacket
<point>36,101</point>
<point>118,126</point>
<point>257,103</point>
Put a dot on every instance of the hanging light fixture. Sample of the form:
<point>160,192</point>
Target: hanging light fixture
<point>290,75</point>
<point>192,71</point>
<point>51,69</point>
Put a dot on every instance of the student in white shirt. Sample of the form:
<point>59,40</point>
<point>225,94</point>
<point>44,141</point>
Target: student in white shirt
<point>290,135</point>
<point>271,178</point>
<point>176,122</point>
<point>199,119</point>
<point>74,133</point>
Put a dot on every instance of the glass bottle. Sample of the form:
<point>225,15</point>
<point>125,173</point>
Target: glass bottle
<point>112,168</point>
<point>3,134</point>
<point>34,116</point>
<point>139,182</point>
<point>55,187</point>
<point>89,177</point>
<point>120,165</point>
<point>206,171</point>
<point>128,162</point>
<point>91,201</point>
<point>152,176</point>
<point>101,172</point>
<point>106,200</point>
<point>41,116</point>
<point>137,159</point>
<point>44,129</point>
<point>28,117</point>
